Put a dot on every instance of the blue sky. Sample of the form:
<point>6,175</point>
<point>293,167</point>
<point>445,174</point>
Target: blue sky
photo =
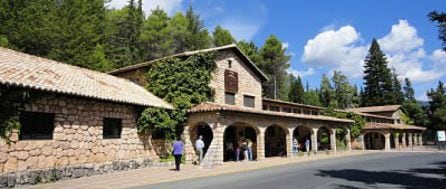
<point>323,36</point>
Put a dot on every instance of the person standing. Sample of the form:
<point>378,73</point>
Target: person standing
<point>199,145</point>
<point>295,147</point>
<point>307,145</point>
<point>177,152</point>
<point>250,155</point>
<point>245,150</point>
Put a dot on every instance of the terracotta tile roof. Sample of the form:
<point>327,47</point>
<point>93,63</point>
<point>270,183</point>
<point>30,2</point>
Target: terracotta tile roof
<point>27,71</point>
<point>189,53</point>
<point>292,103</point>
<point>369,115</point>
<point>388,108</point>
<point>211,107</point>
<point>372,125</point>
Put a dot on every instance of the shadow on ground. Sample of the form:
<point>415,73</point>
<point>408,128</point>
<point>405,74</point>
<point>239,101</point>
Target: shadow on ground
<point>431,177</point>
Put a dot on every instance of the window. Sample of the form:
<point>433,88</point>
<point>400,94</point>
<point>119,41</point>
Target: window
<point>286,109</point>
<point>35,125</point>
<point>111,128</point>
<point>249,101</point>
<point>265,107</point>
<point>307,112</point>
<point>297,111</point>
<point>274,108</point>
<point>230,98</point>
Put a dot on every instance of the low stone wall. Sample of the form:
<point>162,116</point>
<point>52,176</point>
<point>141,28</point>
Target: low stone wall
<point>77,147</point>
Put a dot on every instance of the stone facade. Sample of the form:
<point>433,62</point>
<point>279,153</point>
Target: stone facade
<point>77,147</point>
<point>249,82</point>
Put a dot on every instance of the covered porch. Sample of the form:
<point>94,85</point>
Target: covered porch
<point>271,133</point>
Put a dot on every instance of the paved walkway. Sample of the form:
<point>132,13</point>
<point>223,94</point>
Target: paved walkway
<point>146,176</point>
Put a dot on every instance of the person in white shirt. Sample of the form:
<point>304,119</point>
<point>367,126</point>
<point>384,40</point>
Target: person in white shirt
<point>199,145</point>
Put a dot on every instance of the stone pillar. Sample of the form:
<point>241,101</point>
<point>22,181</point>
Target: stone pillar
<point>290,133</point>
<point>404,145</point>
<point>289,142</point>
<point>189,151</point>
<point>361,138</point>
<point>396,139</point>
<point>333,139</point>
<point>387,142</point>
<point>314,140</point>
<point>415,139</point>
<point>410,140</point>
<point>420,139</point>
<point>261,144</point>
<point>217,143</point>
<point>348,140</point>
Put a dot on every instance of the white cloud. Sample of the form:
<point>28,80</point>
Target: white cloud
<point>309,72</point>
<point>170,6</point>
<point>242,28</point>
<point>402,38</point>
<point>337,50</point>
<point>285,45</point>
<point>340,50</point>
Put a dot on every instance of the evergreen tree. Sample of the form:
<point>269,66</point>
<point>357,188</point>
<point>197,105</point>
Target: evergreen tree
<point>409,93</point>
<point>437,107</point>
<point>311,97</point>
<point>197,36</point>
<point>440,18</point>
<point>344,92</point>
<point>222,37</point>
<point>274,63</point>
<point>249,49</point>
<point>326,91</point>
<point>397,91</point>
<point>156,38</point>
<point>296,92</point>
<point>378,78</point>
<point>361,97</point>
<point>178,27</point>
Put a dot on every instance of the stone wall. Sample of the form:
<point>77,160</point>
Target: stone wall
<point>77,147</point>
<point>248,82</point>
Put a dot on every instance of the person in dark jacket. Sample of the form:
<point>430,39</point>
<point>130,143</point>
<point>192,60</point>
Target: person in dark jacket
<point>177,152</point>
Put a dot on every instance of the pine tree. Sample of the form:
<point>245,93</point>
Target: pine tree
<point>249,49</point>
<point>397,92</point>
<point>274,62</point>
<point>222,37</point>
<point>198,36</point>
<point>440,18</point>
<point>296,92</point>
<point>409,93</point>
<point>156,38</point>
<point>437,107</point>
<point>178,26</point>
<point>378,78</point>
<point>361,97</point>
<point>326,91</point>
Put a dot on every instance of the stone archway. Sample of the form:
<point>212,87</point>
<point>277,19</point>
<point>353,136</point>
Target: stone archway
<point>302,134</point>
<point>323,139</point>
<point>341,138</point>
<point>392,141</point>
<point>275,141</point>
<point>204,130</point>
<point>374,141</point>
<point>233,136</point>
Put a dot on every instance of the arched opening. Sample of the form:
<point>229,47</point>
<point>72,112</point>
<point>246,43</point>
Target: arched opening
<point>233,138</point>
<point>407,139</point>
<point>303,137</point>
<point>323,139</point>
<point>400,140</point>
<point>374,141</point>
<point>204,130</point>
<point>392,141</point>
<point>341,138</point>
<point>275,141</point>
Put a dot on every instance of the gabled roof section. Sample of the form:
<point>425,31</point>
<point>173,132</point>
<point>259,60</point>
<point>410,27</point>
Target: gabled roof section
<point>189,53</point>
<point>372,126</point>
<point>387,108</point>
<point>27,71</point>
<point>214,107</point>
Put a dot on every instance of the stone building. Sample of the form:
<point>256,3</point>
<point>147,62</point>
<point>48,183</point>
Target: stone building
<point>384,129</point>
<point>238,112</point>
<point>81,123</point>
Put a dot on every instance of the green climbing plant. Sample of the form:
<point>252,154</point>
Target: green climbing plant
<point>182,81</point>
<point>356,127</point>
<point>12,101</point>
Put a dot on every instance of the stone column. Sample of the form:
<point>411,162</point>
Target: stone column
<point>404,145</point>
<point>290,133</point>
<point>188,146</point>
<point>314,140</point>
<point>415,139</point>
<point>348,140</point>
<point>333,139</point>
<point>410,140</point>
<point>420,139</point>
<point>396,138</point>
<point>289,143</point>
<point>217,143</point>
<point>387,142</point>
<point>261,144</point>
